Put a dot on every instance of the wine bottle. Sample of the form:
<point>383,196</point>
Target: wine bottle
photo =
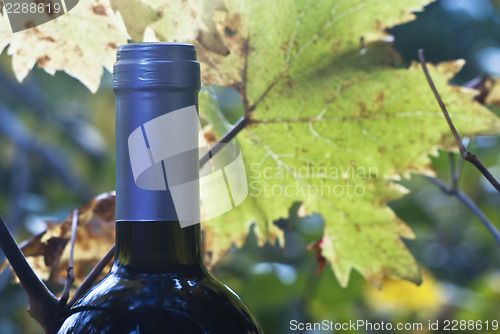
<point>158,282</point>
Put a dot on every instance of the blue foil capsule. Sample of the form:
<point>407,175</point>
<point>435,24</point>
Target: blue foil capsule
<point>156,87</point>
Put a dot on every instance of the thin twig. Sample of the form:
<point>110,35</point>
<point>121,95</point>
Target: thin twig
<point>463,151</point>
<point>42,303</point>
<point>92,276</point>
<point>453,170</point>
<point>70,270</point>
<point>477,211</point>
<point>440,102</point>
<point>462,197</point>
<point>226,138</point>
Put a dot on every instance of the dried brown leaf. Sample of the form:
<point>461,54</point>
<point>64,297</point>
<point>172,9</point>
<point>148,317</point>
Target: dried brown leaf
<point>48,253</point>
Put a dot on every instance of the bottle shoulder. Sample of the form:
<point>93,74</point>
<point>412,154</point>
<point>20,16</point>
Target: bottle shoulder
<point>186,299</point>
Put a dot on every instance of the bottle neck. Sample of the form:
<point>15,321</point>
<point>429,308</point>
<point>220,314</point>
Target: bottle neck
<point>157,152</point>
<point>155,188</point>
<point>157,245</point>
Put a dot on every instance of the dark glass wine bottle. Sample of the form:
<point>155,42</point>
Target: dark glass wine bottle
<point>158,282</point>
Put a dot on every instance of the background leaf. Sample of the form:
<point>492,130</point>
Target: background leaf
<point>331,111</point>
<point>68,43</point>
<point>48,251</point>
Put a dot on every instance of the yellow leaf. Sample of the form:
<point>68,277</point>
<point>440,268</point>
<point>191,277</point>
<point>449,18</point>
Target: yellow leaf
<point>403,298</point>
<point>64,44</point>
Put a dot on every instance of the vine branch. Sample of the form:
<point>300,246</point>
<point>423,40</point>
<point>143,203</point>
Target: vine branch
<point>453,190</point>
<point>463,151</point>
<point>462,197</point>
<point>42,303</point>
<point>44,307</point>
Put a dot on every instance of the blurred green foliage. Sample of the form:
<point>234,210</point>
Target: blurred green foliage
<point>57,150</point>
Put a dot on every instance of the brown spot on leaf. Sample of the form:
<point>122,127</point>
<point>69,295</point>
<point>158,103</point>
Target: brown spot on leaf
<point>336,45</point>
<point>29,24</point>
<point>99,10</point>
<point>210,136</point>
<point>42,61</point>
<point>284,47</point>
<point>78,51</point>
<point>362,108</point>
<point>380,97</point>
<point>112,46</point>
<point>48,39</point>
<point>319,256</point>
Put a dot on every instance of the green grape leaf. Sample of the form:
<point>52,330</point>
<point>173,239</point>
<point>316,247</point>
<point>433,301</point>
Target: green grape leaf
<point>333,124</point>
